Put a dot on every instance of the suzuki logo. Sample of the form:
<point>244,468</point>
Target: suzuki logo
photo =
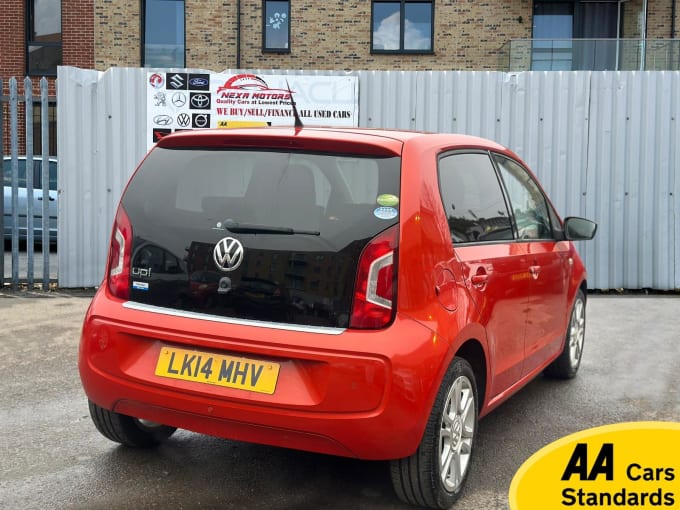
<point>176,81</point>
<point>228,254</point>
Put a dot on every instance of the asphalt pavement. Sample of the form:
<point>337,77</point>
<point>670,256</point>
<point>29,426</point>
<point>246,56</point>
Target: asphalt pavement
<point>53,457</point>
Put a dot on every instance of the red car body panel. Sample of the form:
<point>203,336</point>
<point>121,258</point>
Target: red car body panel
<point>365,394</point>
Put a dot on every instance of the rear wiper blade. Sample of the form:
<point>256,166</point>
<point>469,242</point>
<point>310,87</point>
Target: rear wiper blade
<point>250,228</point>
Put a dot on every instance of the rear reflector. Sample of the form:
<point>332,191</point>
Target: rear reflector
<point>375,287</point>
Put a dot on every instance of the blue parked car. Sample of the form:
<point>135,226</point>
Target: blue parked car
<point>37,199</point>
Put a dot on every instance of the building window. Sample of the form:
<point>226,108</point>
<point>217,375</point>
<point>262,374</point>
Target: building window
<point>163,33</point>
<point>402,27</point>
<point>276,26</point>
<point>43,37</point>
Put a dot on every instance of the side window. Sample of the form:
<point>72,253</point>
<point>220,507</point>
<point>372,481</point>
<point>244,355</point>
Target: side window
<point>473,201</point>
<point>528,204</point>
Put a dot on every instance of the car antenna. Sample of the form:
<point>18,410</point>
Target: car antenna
<point>298,122</point>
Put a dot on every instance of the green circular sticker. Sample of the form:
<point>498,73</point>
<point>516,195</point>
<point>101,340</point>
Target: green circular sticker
<point>387,200</point>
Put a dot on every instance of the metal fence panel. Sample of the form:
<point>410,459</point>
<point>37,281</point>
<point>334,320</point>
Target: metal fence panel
<point>22,199</point>
<point>604,145</point>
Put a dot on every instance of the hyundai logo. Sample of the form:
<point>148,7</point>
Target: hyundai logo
<point>200,100</point>
<point>198,82</point>
<point>162,120</point>
<point>228,254</point>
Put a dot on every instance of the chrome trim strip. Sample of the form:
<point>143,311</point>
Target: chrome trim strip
<point>131,305</point>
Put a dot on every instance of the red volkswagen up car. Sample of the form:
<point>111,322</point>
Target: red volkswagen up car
<point>376,293</point>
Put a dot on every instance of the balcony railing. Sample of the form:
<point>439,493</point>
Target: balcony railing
<point>590,54</point>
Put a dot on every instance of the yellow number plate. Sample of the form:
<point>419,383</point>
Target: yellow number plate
<point>232,372</point>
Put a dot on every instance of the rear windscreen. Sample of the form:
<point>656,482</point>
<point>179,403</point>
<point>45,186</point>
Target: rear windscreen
<point>302,218</point>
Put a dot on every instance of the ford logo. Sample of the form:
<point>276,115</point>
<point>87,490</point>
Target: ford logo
<point>198,82</point>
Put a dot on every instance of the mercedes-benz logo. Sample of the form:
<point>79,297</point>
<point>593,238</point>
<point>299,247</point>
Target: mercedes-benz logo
<point>228,254</point>
<point>179,99</point>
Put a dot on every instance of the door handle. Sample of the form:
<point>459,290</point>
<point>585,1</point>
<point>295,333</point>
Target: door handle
<point>535,271</point>
<point>479,280</point>
<point>51,199</point>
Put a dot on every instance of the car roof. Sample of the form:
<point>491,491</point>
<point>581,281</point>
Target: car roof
<point>372,141</point>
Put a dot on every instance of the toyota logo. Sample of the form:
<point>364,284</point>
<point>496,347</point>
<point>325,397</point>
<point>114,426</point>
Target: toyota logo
<point>179,99</point>
<point>200,100</point>
<point>162,120</point>
<point>228,254</point>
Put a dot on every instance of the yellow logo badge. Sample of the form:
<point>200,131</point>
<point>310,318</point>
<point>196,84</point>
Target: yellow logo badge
<point>627,465</point>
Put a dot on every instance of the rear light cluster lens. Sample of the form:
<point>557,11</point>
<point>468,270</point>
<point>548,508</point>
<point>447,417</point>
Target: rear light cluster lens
<point>376,283</point>
<point>119,256</point>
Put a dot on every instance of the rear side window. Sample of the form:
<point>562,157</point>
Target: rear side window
<point>473,200</point>
<point>529,206</point>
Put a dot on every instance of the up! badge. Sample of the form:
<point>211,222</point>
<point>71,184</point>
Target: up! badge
<point>627,465</point>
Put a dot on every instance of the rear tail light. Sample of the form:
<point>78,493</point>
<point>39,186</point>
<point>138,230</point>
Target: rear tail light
<point>376,284</point>
<point>119,256</point>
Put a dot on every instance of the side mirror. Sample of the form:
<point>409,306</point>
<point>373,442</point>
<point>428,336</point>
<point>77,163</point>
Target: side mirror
<point>579,229</point>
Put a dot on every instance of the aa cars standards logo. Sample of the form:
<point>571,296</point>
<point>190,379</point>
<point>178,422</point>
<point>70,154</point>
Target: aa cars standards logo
<point>228,254</point>
<point>626,465</point>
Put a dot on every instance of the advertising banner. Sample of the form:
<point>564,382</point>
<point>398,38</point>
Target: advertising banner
<point>180,101</point>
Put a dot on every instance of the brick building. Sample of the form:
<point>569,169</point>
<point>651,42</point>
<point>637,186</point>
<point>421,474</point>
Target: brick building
<point>38,35</point>
<point>35,37</point>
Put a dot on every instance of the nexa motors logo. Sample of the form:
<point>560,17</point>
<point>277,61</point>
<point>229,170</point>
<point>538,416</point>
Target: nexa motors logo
<point>249,86</point>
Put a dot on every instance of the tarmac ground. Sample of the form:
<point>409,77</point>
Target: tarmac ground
<point>53,457</point>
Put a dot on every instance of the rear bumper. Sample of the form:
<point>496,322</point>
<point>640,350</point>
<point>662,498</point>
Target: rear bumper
<point>364,394</point>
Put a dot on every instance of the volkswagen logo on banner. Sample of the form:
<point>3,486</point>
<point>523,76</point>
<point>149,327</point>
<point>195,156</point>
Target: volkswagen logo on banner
<point>183,120</point>
<point>228,254</point>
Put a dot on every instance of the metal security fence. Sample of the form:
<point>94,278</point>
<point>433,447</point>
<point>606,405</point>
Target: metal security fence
<point>605,145</point>
<point>28,202</point>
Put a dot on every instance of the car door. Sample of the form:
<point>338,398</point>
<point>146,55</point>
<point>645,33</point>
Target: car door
<point>494,266</point>
<point>548,258</point>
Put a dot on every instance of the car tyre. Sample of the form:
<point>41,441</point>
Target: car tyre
<point>435,474</point>
<point>128,430</point>
<point>567,363</point>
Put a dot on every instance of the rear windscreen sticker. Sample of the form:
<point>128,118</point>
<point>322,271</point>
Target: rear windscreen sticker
<point>387,200</point>
<point>385,213</point>
<point>140,285</point>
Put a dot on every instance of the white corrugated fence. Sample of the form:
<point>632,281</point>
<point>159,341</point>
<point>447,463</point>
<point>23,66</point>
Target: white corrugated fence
<point>605,145</point>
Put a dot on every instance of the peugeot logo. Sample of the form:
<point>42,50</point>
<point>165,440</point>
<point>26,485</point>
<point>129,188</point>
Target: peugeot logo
<point>162,120</point>
<point>200,100</point>
<point>179,99</point>
<point>228,254</point>
<point>183,120</point>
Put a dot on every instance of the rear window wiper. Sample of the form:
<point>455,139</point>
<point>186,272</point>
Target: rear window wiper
<point>250,228</point>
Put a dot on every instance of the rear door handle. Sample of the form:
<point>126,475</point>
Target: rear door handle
<point>479,280</point>
<point>535,271</point>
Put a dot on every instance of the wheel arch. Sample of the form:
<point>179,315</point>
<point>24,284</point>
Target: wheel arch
<point>473,352</point>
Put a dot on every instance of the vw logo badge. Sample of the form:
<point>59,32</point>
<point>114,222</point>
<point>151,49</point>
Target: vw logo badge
<point>228,254</point>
